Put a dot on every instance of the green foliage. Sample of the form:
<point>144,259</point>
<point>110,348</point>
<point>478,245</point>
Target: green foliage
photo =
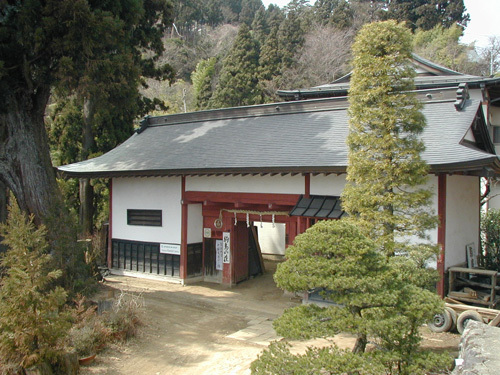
<point>33,321</point>
<point>202,82</point>
<point>490,239</point>
<point>290,37</point>
<point>442,46</point>
<point>371,296</point>
<point>337,13</point>
<point>278,360</point>
<point>238,84</point>
<point>67,254</point>
<point>386,192</point>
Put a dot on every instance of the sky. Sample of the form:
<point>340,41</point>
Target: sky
<point>483,23</point>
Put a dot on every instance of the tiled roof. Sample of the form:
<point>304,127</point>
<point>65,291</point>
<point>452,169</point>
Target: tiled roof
<point>292,137</point>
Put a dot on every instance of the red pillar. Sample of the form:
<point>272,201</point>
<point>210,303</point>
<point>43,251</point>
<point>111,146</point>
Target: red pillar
<point>441,232</point>
<point>110,225</point>
<point>184,229</point>
<point>307,182</point>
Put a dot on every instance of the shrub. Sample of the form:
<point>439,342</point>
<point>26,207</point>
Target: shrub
<point>91,331</point>
<point>490,239</point>
<point>33,318</point>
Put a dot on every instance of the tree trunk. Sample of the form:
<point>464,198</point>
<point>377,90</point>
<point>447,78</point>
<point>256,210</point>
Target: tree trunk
<point>86,206</point>
<point>4,196</point>
<point>25,165</point>
<point>360,345</point>
<point>86,189</point>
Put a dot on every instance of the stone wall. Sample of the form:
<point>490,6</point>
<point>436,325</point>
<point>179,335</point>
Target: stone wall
<point>479,350</point>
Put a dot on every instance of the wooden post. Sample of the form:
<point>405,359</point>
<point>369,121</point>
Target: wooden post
<point>441,232</point>
<point>184,231</point>
<point>110,228</point>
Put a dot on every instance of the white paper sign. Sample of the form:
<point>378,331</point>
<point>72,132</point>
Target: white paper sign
<point>207,232</point>
<point>226,247</point>
<point>170,248</point>
<point>218,255</point>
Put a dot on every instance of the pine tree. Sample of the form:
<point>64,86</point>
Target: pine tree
<point>249,8</point>
<point>425,14</point>
<point>386,174</point>
<point>290,38</point>
<point>337,13</point>
<point>202,82</point>
<point>238,83</point>
<point>260,27</point>
<point>370,300</point>
<point>32,317</point>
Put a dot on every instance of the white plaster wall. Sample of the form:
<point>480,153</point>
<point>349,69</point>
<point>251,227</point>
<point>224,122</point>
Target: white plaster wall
<point>248,184</point>
<point>462,217</point>
<point>195,223</point>
<point>155,193</point>
<point>494,202</point>
<point>271,240</point>
<point>494,115</point>
<point>327,185</point>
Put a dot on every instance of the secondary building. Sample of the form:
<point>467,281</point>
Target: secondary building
<point>194,196</point>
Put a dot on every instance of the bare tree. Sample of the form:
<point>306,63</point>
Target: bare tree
<point>323,58</point>
<point>491,56</point>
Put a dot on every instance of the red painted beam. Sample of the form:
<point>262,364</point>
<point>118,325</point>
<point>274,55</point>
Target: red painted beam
<point>242,198</point>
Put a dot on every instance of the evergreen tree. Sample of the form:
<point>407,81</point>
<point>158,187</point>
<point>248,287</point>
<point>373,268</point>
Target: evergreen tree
<point>386,192</point>
<point>290,37</point>
<point>274,16</point>
<point>337,13</point>
<point>33,321</point>
<point>249,8</point>
<point>369,300</point>
<point>270,58</point>
<point>202,82</point>
<point>260,27</point>
<point>53,44</point>
<point>425,14</point>
<point>238,83</point>
<point>442,46</point>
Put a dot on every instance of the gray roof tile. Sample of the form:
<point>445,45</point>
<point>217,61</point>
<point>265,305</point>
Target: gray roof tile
<point>311,139</point>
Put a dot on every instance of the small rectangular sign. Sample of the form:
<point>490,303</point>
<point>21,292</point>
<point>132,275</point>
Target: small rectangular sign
<point>218,255</point>
<point>226,247</point>
<point>170,248</point>
<point>207,232</point>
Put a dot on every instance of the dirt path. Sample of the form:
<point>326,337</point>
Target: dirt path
<point>205,329</point>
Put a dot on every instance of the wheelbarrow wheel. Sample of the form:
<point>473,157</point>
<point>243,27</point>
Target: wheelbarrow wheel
<point>464,318</point>
<point>441,322</point>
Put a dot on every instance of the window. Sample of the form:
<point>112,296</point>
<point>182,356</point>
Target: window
<point>149,218</point>
<point>496,134</point>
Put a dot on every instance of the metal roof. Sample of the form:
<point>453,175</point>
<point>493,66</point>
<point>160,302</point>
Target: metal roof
<point>291,137</point>
<point>318,206</point>
<point>429,75</point>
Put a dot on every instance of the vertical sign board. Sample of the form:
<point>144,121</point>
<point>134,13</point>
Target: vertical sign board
<point>226,247</point>
<point>218,255</point>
